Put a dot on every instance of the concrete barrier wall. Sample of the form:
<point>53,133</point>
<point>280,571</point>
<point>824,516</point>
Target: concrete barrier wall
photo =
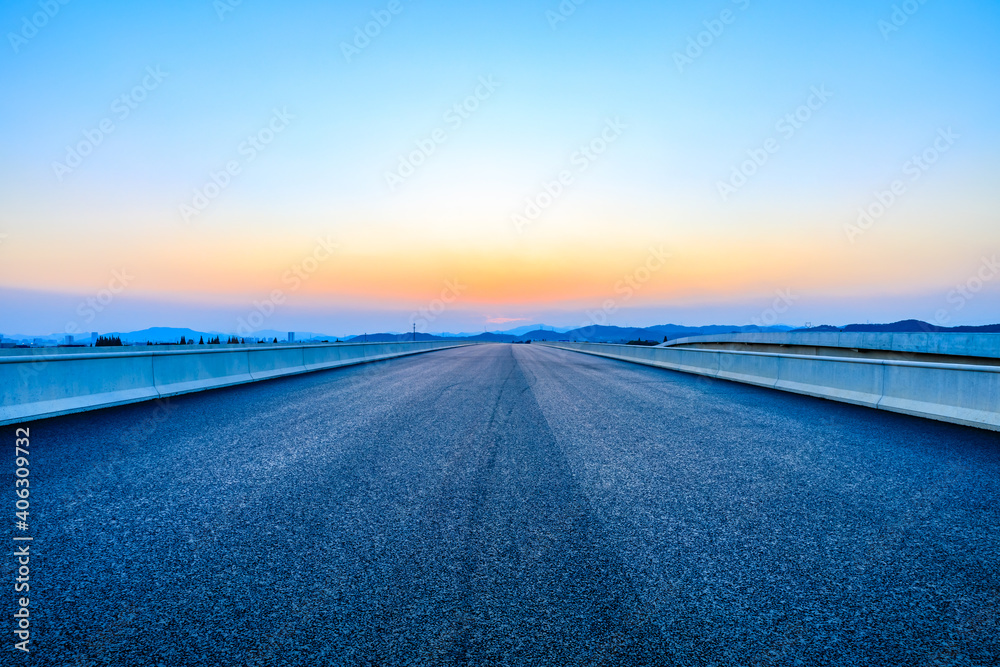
<point>958,393</point>
<point>185,372</point>
<point>276,361</point>
<point>986,345</point>
<point>41,385</point>
<point>752,369</point>
<point>835,378</point>
<point>35,386</point>
<point>971,396</point>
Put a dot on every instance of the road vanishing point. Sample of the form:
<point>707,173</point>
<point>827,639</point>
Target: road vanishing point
<point>510,505</point>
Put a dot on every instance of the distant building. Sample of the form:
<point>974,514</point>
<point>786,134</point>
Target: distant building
<point>93,337</point>
<point>291,336</point>
<point>68,339</point>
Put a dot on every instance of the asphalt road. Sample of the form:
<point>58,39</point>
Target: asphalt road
<point>505,504</point>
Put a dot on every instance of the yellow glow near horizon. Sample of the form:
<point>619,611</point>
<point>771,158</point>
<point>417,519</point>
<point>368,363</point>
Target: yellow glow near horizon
<point>396,273</point>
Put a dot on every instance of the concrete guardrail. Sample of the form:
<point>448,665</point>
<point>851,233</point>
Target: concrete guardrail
<point>913,343</point>
<point>35,386</point>
<point>958,393</point>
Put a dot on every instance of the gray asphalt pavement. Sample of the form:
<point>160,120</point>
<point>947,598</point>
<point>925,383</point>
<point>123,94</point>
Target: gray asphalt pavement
<point>508,504</point>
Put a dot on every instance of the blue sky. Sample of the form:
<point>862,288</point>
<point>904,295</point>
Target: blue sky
<point>223,77</point>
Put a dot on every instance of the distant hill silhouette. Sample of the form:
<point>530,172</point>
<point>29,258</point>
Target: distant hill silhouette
<point>164,335</point>
<point>905,326</point>
<point>612,334</point>
<point>594,333</point>
<point>384,338</point>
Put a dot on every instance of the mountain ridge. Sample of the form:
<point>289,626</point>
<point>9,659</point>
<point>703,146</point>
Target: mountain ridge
<point>594,333</point>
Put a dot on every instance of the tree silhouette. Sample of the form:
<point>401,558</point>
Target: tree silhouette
<point>201,340</point>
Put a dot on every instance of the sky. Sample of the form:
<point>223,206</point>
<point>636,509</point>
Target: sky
<point>459,165</point>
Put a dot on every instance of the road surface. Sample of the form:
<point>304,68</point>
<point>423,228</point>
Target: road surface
<point>509,504</point>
